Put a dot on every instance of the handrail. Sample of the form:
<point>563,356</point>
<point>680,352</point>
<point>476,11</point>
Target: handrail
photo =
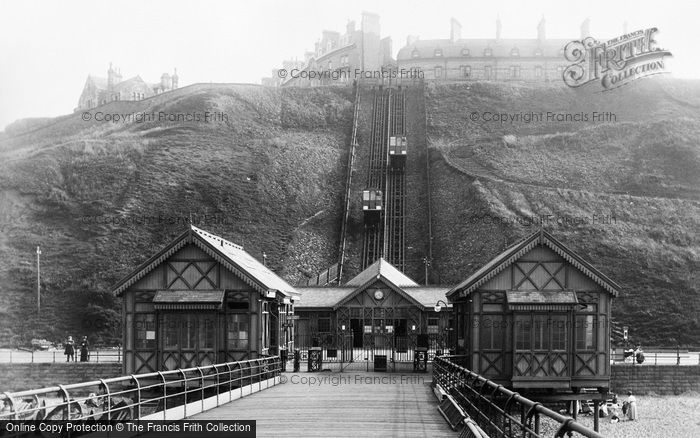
<point>477,394</point>
<point>57,356</point>
<point>142,395</point>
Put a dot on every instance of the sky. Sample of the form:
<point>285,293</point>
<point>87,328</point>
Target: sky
<point>48,48</point>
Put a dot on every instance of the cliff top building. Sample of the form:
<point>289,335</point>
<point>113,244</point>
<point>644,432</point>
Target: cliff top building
<point>99,91</point>
<point>355,49</point>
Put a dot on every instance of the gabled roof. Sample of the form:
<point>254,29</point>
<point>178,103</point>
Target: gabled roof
<point>513,253</point>
<point>428,296</point>
<point>127,84</point>
<point>232,256</point>
<point>331,297</point>
<point>98,82</point>
<point>322,296</point>
<point>381,268</point>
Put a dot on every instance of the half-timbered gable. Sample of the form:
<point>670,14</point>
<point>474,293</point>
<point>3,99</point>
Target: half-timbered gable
<point>202,300</point>
<point>536,316</point>
<point>380,309</point>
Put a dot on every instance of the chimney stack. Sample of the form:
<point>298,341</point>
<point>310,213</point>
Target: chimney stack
<point>455,30</point>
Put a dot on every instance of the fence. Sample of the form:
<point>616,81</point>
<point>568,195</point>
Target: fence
<point>346,347</point>
<point>497,410</point>
<point>39,356</point>
<point>660,356</point>
<point>166,395</point>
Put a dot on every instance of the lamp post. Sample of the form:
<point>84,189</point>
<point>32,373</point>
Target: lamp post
<point>426,262</point>
<point>437,309</point>
<point>38,280</point>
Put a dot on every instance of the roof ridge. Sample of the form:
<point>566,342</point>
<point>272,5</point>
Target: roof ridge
<point>215,237</point>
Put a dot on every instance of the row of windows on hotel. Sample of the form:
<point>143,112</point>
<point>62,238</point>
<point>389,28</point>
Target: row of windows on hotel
<point>514,71</point>
<point>197,331</point>
<point>466,70</point>
<point>514,52</point>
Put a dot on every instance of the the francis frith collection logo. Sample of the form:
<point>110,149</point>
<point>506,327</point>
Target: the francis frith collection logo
<point>615,62</point>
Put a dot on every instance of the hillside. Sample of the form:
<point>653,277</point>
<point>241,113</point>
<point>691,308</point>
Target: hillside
<point>643,171</point>
<point>101,197</point>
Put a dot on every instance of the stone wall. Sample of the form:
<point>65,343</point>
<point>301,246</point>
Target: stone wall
<point>23,376</point>
<point>658,379</point>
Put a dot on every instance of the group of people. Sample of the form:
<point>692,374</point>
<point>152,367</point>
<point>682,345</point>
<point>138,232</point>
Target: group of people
<point>636,355</point>
<point>618,412</point>
<point>70,347</point>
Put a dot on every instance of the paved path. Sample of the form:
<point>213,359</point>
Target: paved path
<point>341,405</point>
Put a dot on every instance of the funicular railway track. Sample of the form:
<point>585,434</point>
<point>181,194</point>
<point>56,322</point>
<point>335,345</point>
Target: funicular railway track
<point>373,232</point>
<point>395,214</point>
<point>385,237</point>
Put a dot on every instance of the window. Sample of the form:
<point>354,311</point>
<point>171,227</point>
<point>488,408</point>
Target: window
<point>330,65</point>
<point>465,52</point>
<point>514,71</point>
<point>433,326</point>
<point>415,53</point>
<point>487,72</point>
<point>559,332</point>
<point>540,331</point>
<point>324,325</point>
<point>538,71</point>
<point>488,52</point>
<point>491,331</point>
<point>515,52</point>
<point>189,332</point>
<point>543,332</point>
<point>171,328</point>
<point>538,52</point>
<point>438,72</point>
<point>207,332</point>
<point>238,329</point>
<point>466,71</point>
<point>438,53</point>
<point>265,325</point>
<point>492,307</point>
<point>585,332</point>
<point>145,324</point>
<point>368,329</point>
<point>523,332</point>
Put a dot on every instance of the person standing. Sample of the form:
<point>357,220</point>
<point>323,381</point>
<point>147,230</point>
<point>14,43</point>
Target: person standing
<point>631,406</point>
<point>69,349</point>
<point>84,349</point>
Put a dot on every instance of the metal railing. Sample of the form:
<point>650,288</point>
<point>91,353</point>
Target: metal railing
<point>164,395</point>
<point>497,410</point>
<point>42,356</point>
<point>659,356</point>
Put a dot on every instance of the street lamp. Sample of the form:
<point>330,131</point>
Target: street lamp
<point>437,307</point>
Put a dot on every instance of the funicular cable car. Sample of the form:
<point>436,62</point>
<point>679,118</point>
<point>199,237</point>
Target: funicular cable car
<point>372,204</point>
<point>398,147</point>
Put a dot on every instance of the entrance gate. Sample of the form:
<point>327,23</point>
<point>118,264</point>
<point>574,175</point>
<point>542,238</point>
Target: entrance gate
<point>350,350</point>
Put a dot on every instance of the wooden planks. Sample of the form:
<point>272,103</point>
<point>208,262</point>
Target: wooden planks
<point>340,405</point>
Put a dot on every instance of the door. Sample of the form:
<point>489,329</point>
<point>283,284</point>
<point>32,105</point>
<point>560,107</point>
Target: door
<point>356,328</point>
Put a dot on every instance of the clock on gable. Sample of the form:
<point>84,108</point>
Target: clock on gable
<point>378,294</point>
